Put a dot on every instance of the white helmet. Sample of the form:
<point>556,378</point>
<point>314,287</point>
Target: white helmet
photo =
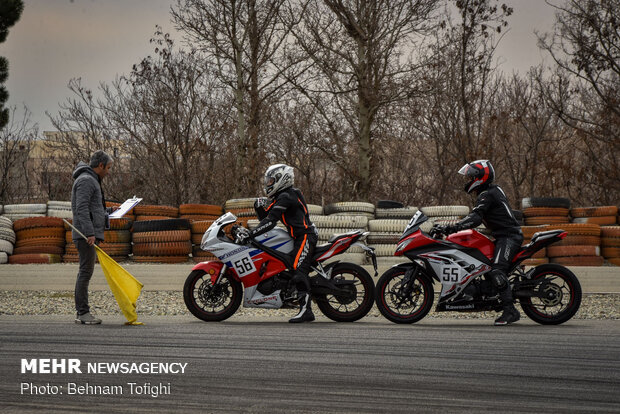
<point>277,178</point>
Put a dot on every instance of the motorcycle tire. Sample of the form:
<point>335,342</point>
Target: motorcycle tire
<point>545,311</point>
<point>388,290</point>
<point>343,308</point>
<point>198,293</point>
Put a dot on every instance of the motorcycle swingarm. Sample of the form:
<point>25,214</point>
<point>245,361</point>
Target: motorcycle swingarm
<point>322,286</point>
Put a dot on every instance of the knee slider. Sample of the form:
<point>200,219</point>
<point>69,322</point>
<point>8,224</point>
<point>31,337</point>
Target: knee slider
<point>498,278</point>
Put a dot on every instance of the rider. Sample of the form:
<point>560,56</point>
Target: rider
<point>285,203</point>
<point>492,208</point>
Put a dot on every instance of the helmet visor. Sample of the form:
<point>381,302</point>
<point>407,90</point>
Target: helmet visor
<point>269,181</point>
<point>466,170</point>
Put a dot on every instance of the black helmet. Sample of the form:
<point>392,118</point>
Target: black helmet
<point>480,174</point>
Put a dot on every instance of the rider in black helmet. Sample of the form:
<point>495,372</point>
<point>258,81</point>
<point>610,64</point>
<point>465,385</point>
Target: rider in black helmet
<point>493,210</point>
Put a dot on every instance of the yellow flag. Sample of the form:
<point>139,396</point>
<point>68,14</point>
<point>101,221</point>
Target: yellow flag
<point>125,287</point>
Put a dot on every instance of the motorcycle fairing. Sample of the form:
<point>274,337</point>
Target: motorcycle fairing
<point>454,269</point>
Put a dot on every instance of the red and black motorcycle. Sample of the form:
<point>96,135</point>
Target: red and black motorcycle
<point>549,294</point>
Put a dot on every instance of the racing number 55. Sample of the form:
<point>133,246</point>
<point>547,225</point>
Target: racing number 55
<point>450,274</point>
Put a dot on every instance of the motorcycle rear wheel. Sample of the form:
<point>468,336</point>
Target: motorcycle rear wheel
<point>356,304</point>
<point>208,302</point>
<point>399,305</point>
<point>562,296</point>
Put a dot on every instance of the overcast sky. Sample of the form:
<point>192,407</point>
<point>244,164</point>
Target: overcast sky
<point>57,40</point>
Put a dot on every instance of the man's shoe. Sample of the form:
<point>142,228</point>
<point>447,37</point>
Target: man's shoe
<point>509,316</point>
<point>87,319</point>
<point>305,310</point>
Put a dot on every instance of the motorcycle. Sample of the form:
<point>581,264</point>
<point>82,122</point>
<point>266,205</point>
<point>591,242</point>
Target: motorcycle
<point>261,272</point>
<point>549,294</point>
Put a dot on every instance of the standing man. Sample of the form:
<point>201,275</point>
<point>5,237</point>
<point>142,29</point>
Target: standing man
<point>90,217</point>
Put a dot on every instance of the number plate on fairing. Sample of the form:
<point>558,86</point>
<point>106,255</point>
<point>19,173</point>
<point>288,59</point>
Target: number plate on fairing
<point>243,264</point>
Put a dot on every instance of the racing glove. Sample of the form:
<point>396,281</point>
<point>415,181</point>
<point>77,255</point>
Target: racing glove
<point>242,235</point>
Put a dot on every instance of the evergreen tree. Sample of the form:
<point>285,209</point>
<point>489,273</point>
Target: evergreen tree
<point>10,12</point>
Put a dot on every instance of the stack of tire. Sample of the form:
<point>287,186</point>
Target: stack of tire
<point>117,242</point>
<point>146,212</point>
<point>545,210</point>
<point>342,217</point>
<point>7,239</point>
<point>60,209</point>
<point>198,212</point>
<point>161,241</point>
<point>38,240</point>
<point>603,216</point>
<point>581,247</point>
<point>391,218</point>
<point>610,244</point>
<point>445,215</point>
<point>242,208</point>
<point>200,216</point>
<point>198,229</point>
<point>540,257</point>
<point>20,211</point>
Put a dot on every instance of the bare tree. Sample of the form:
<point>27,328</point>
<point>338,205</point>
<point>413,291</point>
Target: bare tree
<point>585,89</point>
<point>16,139</point>
<point>463,80</point>
<point>247,40</point>
<point>360,64</point>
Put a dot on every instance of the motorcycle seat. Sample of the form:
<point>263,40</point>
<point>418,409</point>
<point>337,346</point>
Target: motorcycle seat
<point>322,248</point>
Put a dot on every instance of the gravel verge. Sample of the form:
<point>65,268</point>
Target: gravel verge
<point>170,303</point>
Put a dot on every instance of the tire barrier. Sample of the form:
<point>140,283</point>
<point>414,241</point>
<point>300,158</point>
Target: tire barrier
<point>198,229</point>
<point>610,244</point>
<point>60,209</point>
<point>146,212</point>
<point>30,258</point>
<point>162,241</point>
<point>38,240</point>
<point>536,216</point>
<point>199,212</point>
<point>401,213</point>
<point>28,230</point>
<point>544,202</point>
<point>350,208</point>
<point>4,258</point>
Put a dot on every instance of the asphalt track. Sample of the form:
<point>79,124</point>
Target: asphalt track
<point>266,365</point>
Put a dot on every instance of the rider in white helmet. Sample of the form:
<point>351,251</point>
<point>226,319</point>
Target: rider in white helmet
<point>288,205</point>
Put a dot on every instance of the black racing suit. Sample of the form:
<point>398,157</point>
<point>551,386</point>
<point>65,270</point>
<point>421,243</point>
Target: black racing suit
<point>290,207</point>
<point>493,210</point>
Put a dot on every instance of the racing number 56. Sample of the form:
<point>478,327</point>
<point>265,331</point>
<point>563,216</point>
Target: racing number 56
<point>243,266</point>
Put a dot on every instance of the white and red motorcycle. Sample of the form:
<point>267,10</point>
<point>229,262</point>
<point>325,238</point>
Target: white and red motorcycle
<point>260,273</point>
<point>549,294</point>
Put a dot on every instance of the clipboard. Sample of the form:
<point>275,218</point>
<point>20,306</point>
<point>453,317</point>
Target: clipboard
<point>125,207</point>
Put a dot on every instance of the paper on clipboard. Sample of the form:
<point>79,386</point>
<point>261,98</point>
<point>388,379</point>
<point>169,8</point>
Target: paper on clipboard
<point>125,207</point>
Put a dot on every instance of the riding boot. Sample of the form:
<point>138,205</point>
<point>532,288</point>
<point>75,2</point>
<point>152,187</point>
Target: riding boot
<point>510,314</point>
<point>305,309</point>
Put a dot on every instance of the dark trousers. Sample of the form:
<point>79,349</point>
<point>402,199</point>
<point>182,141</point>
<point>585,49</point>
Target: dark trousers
<point>303,250</point>
<point>505,250</point>
<point>87,256</point>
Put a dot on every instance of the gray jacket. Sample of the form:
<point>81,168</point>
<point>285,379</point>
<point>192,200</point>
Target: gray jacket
<point>89,214</point>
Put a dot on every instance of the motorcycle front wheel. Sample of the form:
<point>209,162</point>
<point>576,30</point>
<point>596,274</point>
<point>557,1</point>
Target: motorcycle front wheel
<point>212,303</point>
<point>356,298</point>
<point>404,300</point>
<point>556,295</point>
